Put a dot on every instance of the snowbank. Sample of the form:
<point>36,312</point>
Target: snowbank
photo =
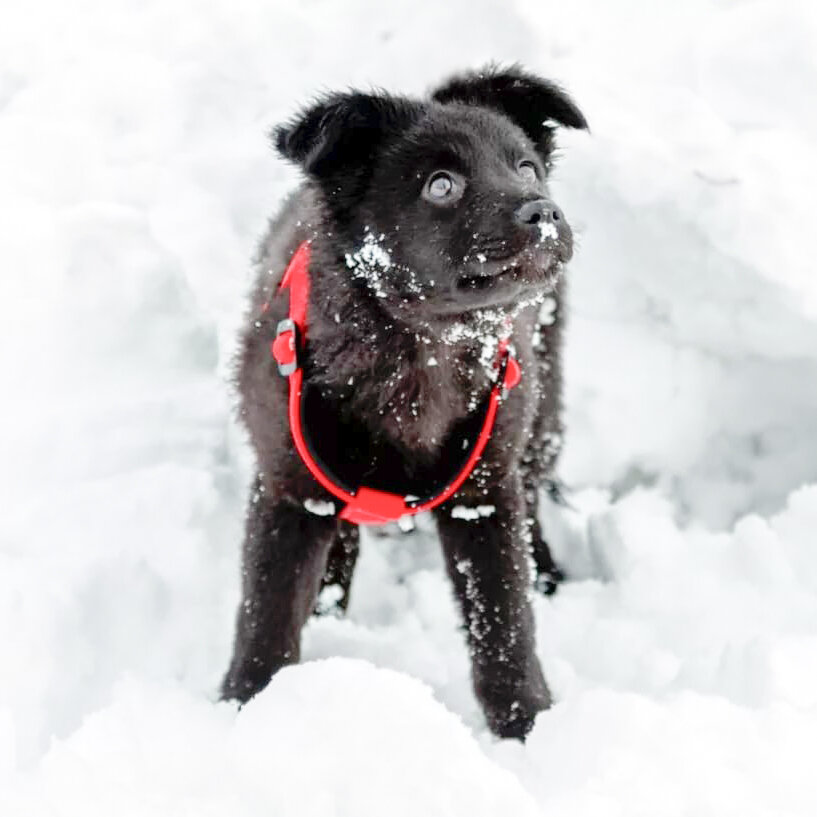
<point>329,737</point>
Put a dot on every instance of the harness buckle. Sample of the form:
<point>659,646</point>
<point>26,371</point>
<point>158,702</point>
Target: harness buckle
<point>511,374</point>
<point>285,347</point>
<point>373,507</point>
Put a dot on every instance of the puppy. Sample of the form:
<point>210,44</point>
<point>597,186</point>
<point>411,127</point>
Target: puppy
<point>424,260</point>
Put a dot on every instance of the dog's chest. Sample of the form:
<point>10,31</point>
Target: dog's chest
<point>402,424</point>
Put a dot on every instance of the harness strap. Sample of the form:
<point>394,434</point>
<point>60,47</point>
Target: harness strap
<point>366,505</point>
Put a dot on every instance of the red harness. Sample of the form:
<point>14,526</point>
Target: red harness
<point>366,505</point>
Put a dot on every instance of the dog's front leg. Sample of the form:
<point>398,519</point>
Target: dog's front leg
<point>285,552</point>
<point>487,559</point>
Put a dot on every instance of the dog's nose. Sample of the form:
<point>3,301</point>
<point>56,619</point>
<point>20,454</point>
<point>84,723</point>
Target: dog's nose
<point>539,211</point>
<point>547,225</point>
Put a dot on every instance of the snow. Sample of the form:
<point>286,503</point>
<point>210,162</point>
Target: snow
<point>135,179</point>
<point>370,262</point>
<point>464,512</point>
<point>320,507</point>
<point>133,756</point>
<point>547,230</point>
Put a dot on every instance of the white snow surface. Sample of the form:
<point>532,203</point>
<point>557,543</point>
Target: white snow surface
<point>320,507</point>
<point>464,512</point>
<point>135,180</point>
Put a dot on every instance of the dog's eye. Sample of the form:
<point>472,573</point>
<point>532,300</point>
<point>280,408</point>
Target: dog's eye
<point>444,188</point>
<point>440,185</point>
<point>527,170</point>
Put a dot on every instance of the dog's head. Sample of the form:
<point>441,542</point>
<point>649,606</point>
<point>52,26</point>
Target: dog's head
<point>441,206</point>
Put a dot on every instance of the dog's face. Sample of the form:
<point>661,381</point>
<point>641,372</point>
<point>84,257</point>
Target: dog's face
<point>442,207</point>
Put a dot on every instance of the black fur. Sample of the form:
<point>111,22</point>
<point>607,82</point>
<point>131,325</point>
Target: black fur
<point>409,291</point>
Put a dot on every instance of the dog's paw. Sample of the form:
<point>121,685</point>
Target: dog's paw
<point>514,718</point>
<point>547,581</point>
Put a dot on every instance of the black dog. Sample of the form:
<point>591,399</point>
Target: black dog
<point>431,238</point>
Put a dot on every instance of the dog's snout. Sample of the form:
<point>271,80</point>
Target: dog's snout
<point>539,211</point>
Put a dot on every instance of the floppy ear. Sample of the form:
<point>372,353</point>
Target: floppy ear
<point>343,130</point>
<point>532,103</point>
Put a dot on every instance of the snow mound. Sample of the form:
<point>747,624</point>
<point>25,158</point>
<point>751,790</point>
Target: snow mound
<point>615,754</point>
<point>329,737</point>
<point>664,609</point>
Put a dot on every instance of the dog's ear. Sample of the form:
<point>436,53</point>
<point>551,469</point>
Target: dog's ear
<point>343,130</point>
<point>534,104</point>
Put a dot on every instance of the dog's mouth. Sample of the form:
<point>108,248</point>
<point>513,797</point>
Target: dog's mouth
<point>486,281</point>
<point>532,267</point>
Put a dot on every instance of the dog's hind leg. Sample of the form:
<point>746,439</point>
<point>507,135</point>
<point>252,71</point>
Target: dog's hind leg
<point>543,449</point>
<point>284,560</point>
<point>548,573</point>
<point>340,566</point>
